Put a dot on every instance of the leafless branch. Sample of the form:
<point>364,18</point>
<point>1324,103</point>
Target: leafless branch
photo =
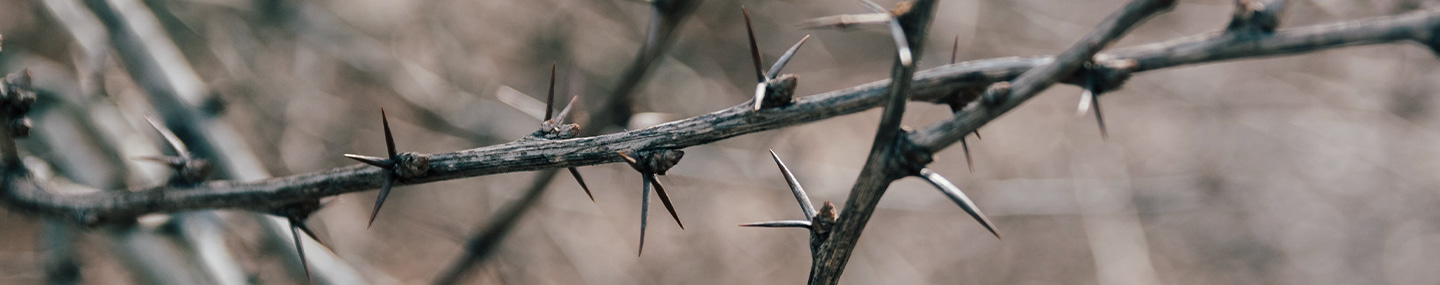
<point>934,85</point>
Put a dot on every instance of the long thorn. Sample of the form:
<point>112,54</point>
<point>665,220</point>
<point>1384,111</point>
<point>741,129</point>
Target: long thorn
<point>170,138</point>
<point>630,160</point>
<point>371,160</point>
<point>389,139</point>
<point>785,58</point>
<point>780,224</point>
<point>306,229</point>
<point>644,211</point>
<point>845,21</point>
<point>560,118</point>
<point>754,47</point>
<point>300,249</point>
<point>380,200</point>
<point>550,96</point>
<point>576,173</point>
<point>959,197</point>
<point>966,147</point>
<point>665,198</point>
<point>1090,89</point>
<point>795,188</point>
<point>170,161</point>
<point>954,49</point>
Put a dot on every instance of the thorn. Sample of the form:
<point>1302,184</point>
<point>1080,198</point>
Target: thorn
<point>389,139</point>
<point>844,21</point>
<point>371,160</point>
<point>954,49</point>
<point>966,147</point>
<point>380,200</point>
<point>795,188</point>
<point>170,161</point>
<point>576,173</point>
<point>1092,97</point>
<point>902,46</point>
<point>170,138</point>
<point>759,95</point>
<point>630,160</point>
<point>300,249</point>
<point>780,224</point>
<point>754,47</point>
<point>561,117</point>
<point>785,58</point>
<point>644,210</point>
<point>977,135</point>
<point>959,197</point>
<point>306,229</point>
<point>550,96</point>
<point>664,198</point>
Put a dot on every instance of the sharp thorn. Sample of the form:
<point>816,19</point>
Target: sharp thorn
<point>954,49</point>
<point>665,198</point>
<point>759,95</point>
<point>171,161</point>
<point>644,211</point>
<point>300,249</point>
<point>977,135</point>
<point>389,139</point>
<point>380,200</point>
<point>785,58</point>
<point>754,47</point>
<point>560,118</point>
<point>630,160</point>
<point>845,21</point>
<point>795,188</point>
<point>902,46</point>
<point>1099,119</point>
<point>306,229</point>
<point>959,197</point>
<point>371,160</point>
<point>780,224</point>
<point>550,96</point>
<point>968,161</point>
<point>170,138</point>
<point>576,173</point>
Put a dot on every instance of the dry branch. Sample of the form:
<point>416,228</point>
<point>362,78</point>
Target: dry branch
<point>934,85</point>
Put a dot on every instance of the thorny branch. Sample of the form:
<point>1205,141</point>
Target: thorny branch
<point>932,85</point>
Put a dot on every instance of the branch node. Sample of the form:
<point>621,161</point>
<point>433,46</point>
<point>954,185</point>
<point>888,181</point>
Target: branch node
<point>410,165</point>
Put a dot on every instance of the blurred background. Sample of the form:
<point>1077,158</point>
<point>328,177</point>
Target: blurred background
<point>1311,169</point>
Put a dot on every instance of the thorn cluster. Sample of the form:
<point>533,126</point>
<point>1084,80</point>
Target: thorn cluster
<point>555,128</point>
<point>399,166</point>
<point>774,89</point>
<point>650,164</point>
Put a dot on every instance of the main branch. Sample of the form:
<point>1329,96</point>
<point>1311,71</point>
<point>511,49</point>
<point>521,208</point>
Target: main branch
<point>932,85</point>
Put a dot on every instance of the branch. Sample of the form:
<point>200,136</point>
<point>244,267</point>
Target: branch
<point>29,195</point>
